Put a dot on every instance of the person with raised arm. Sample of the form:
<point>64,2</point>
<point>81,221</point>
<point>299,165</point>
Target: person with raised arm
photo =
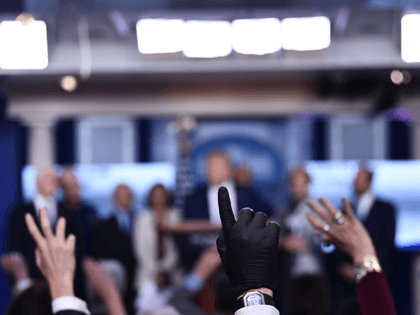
<point>55,258</point>
<point>347,233</point>
<point>249,250</point>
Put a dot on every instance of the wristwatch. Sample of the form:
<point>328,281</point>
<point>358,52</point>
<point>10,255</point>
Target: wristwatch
<point>254,298</point>
<point>369,264</point>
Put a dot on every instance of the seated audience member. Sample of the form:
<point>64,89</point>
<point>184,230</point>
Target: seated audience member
<point>379,219</point>
<point>156,252</point>
<point>349,235</point>
<point>35,300</point>
<point>300,256</point>
<point>112,241</point>
<point>83,214</point>
<point>18,237</point>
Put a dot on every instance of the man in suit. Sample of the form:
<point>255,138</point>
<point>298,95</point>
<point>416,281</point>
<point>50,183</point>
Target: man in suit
<point>112,239</point>
<point>379,219</point>
<point>82,213</point>
<point>202,203</point>
<point>20,241</point>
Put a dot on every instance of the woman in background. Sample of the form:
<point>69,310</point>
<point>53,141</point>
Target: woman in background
<point>155,249</point>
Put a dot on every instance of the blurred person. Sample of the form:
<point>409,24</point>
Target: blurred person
<point>243,177</point>
<point>379,219</point>
<point>18,238</point>
<point>112,241</point>
<point>202,203</point>
<point>83,214</point>
<point>300,256</point>
<point>35,300</point>
<point>347,233</point>
<point>156,251</point>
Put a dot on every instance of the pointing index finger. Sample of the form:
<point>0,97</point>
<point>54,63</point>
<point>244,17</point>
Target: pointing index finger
<point>225,209</point>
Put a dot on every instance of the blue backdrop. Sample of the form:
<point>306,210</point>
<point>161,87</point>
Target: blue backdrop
<point>11,162</point>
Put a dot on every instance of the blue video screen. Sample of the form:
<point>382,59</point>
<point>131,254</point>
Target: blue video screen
<point>397,182</point>
<point>98,182</point>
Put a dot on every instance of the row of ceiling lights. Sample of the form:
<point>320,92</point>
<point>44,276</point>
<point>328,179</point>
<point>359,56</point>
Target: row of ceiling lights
<point>24,41</point>
<point>212,39</point>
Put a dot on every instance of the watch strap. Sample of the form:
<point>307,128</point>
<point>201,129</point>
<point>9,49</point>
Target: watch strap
<point>265,300</point>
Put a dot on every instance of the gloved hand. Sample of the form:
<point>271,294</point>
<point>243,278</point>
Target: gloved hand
<point>248,248</point>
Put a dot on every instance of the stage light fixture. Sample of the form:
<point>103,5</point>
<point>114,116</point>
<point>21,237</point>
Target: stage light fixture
<point>256,36</point>
<point>23,46</point>
<point>410,44</point>
<point>207,39</point>
<point>68,83</point>
<point>160,36</point>
<point>309,33</point>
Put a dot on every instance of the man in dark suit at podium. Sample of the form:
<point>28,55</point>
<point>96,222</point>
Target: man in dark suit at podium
<point>202,203</point>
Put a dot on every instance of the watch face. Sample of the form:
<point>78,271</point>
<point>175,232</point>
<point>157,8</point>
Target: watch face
<point>254,299</point>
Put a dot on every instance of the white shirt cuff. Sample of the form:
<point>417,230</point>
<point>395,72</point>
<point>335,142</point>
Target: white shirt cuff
<point>69,303</point>
<point>258,309</point>
<point>22,285</point>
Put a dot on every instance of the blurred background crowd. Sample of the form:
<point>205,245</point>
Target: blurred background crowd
<point>125,117</point>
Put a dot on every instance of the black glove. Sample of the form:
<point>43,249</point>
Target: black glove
<point>248,248</point>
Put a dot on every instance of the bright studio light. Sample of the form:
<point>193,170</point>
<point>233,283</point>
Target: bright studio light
<point>159,36</point>
<point>256,36</point>
<point>310,33</point>
<point>68,83</point>
<point>410,44</point>
<point>23,46</point>
<point>207,39</point>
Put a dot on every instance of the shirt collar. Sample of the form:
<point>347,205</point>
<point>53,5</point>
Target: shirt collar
<point>42,198</point>
<point>366,197</point>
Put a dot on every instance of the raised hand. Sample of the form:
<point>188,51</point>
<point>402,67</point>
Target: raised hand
<point>346,232</point>
<point>54,254</point>
<point>248,247</point>
<point>15,265</point>
<point>103,285</point>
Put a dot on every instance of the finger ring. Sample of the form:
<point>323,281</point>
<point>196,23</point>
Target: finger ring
<point>327,228</point>
<point>338,218</point>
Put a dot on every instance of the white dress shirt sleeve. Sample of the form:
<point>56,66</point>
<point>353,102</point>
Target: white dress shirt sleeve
<point>22,285</point>
<point>69,303</point>
<point>258,310</point>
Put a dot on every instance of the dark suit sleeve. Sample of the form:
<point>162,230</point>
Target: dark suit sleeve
<point>258,203</point>
<point>375,296</point>
<point>384,243</point>
<point>16,225</point>
<point>189,207</point>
